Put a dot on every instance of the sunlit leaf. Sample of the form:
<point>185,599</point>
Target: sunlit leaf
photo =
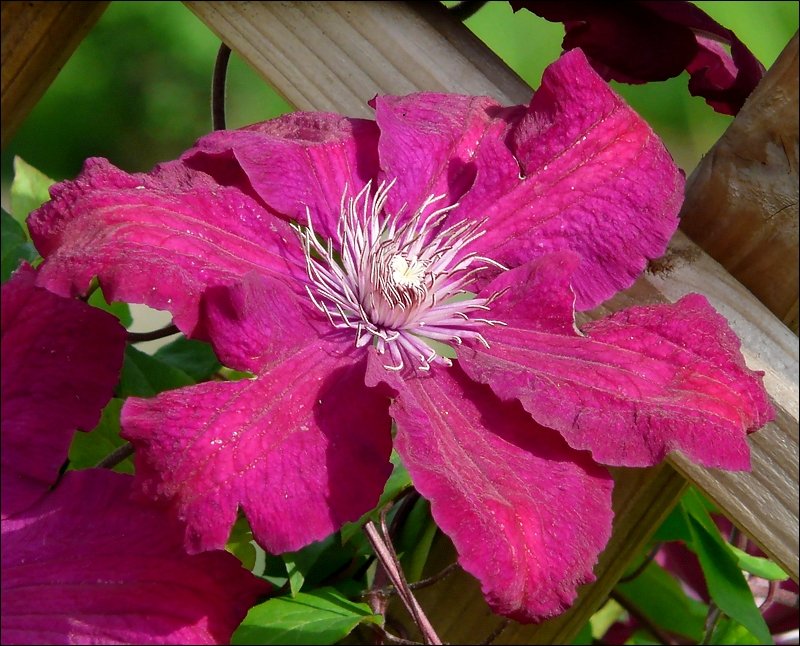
<point>29,190</point>
<point>728,631</point>
<point>240,543</point>
<point>321,617</point>
<point>759,566</point>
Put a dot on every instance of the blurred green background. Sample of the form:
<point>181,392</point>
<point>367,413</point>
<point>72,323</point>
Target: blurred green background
<point>137,89</point>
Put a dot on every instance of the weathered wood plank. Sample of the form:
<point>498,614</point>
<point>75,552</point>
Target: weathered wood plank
<point>37,39</point>
<point>742,199</point>
<point>335,56</point>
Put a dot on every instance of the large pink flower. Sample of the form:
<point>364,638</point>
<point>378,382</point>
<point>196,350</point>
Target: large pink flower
<point>81,561</point>
<point>347,263</point>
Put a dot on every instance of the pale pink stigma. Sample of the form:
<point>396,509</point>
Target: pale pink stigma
<point>398,286</point>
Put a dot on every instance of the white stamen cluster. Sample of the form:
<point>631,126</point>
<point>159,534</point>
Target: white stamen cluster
<point>397,285</point>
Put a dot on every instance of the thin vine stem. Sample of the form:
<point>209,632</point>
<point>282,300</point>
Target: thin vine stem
<point>388,559</point>
<point>140,337</point>
<point>218,83</point>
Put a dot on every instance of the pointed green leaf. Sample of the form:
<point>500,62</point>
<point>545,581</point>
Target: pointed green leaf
<point>322,617</point>
<point>726,583</point>
<point>29,190</point>
<point>758,565</point>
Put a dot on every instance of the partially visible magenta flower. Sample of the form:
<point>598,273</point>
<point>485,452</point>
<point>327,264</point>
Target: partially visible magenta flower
<point>638,42</point>
<point>423,267</point>
<point>81,561</point>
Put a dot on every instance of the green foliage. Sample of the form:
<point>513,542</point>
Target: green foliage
<point>195,358</point>
<point>29,190</point>
<point>659,597</point>
<point>87,449</point>
<point>146,376</point>
<point>656,595</point>
<point>322,617</point>
<point>14,246</point>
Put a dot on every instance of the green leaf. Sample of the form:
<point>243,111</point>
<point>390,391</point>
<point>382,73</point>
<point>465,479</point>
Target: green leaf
<point>641,638</point>
<point>240,543</point>
<point>87,449</point>
<point>299,563</point>
<point>195,358</point>
<point>14,246</point>
<point>146,376</point>
<point>758,565</point>
<point>415,540</point>
<point>728,631</point>
<point>322,617</point>
<point>660,598</point>
<point>120,310</point>
<point>674,528</point>
<point>584,636</point>
<point>29,190</point>
<point>726,583</point>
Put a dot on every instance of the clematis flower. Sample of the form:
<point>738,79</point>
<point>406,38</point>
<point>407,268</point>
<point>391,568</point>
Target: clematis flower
<point>83,563</point>
<point>424,268</point>
<point>637,42</point>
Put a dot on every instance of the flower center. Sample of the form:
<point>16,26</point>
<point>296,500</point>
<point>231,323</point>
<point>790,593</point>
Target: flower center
<point>396,285</point>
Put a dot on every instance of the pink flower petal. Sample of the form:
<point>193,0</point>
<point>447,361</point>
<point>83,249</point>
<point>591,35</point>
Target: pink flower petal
<point>299,160</point>
<point>634,386</point>
<point>528,515</point>
<point>61,361</point>
<point>159,239</point>
<point>596,180</point>
<point>260,319</point>
<point>302,448</point>
<point>637,42</point>
<point>87,565</point>
<point>428,144</point>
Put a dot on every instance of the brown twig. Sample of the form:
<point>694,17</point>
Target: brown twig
<point>388,559</point>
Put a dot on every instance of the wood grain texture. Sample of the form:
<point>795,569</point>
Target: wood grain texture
<point>37,39</point>
<point>742,199</point>
<point>335,56</point>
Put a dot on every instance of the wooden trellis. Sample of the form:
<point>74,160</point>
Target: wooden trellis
<point>335,55</point>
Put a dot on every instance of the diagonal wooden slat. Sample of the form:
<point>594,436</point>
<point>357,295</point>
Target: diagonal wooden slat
<point>742,202</point>
<point>37,39</point>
